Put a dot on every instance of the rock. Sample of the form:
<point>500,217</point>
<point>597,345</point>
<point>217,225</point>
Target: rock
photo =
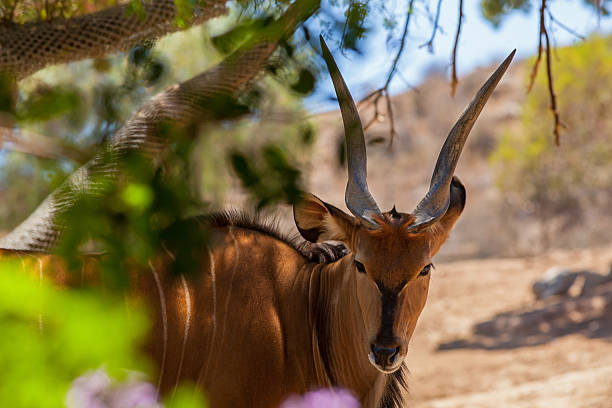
<point>556,282</point>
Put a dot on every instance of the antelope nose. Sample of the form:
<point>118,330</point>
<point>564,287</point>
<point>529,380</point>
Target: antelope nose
<point>384,356</point>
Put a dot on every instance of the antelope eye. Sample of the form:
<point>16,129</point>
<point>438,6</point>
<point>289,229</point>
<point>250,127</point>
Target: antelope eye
<point>360,267</point>
<point>426,270</point>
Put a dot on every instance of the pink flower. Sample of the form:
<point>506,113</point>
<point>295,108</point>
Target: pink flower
<point>96,389</point>
<point>324,397</point>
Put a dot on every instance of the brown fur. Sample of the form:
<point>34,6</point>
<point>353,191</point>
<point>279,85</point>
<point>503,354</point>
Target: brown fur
<point>260,322</point>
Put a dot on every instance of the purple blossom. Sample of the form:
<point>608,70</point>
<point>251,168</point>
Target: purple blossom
<point>96,389</point>
<point>324,397</point>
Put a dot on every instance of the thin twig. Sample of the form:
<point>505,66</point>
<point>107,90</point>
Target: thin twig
<point>563,26</point>
<point>391,120</point>
<point>454,80</point>
<point>429,44</point>
<point>377,115</point>
<point>534,70</point>
<point>368,97</point>
<point>551,90</point>
<point>598,2</point>
<point>402,45</point>
<point>376,95</point>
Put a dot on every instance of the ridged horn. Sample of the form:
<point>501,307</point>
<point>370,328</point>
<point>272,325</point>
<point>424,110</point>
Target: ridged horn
<point>436,202</point>
<point>357,197</point>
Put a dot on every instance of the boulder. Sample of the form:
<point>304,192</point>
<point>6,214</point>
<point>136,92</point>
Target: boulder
<point>556,282</point>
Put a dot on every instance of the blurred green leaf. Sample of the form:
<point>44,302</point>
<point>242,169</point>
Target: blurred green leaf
<point>495,10</point>
<point>137,196</point>
<point>47,103</point>
<point>184,12</point>
<point>135,7</point>
<point>185,397</point>
<point>229,41</point>
<point>80,331</point>
<point>7,94</point>
<point>355,28</point>
<point>305,83</point>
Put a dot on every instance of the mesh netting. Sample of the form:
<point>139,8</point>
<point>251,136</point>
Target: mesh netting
<point>24,49</point>
<point>182,104</point>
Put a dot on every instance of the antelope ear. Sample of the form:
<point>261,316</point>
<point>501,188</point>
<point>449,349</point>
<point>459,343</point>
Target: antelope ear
<point>446,223</point>
<point>318,221</point>
<point>457,203</point>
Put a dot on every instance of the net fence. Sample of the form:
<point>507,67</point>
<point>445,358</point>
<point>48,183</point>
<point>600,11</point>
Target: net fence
<point>181,105</point>
<point>27,48</point>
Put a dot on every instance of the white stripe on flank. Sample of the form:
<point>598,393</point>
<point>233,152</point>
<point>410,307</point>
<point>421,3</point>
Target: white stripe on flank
<point>231,283</point>
<point>187,326</point>
<point>170,254</point>
<point>162,304</point>
<point>204,373</point>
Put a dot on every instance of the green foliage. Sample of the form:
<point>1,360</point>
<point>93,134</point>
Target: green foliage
<point>131,219</point>
<point>239,34</point>
<point>80,331</point>
<point>565,183</point>
<point>355,28</point>
<point>48,102</point>
<point>271,179</point>
<point>21,11</point>
<point>136,8</point>
<point>496,10</point>
<point>7,91</point>
<point>184,397</point>
<point>184,12</point>
<point>305,83</point>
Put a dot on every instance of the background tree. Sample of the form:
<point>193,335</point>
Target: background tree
<point>568,186</point>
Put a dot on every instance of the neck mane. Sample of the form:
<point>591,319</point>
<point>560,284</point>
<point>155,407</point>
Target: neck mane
<point>341,341</point>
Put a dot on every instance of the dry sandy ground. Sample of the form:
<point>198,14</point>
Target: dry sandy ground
<point>483,341</point>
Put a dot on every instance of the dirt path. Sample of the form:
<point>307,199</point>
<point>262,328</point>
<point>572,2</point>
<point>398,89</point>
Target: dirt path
<point>483,341</point>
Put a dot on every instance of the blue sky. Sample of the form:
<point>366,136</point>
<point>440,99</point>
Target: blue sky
<point>480,44</point>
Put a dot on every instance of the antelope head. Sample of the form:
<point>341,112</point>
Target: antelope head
<point>391,253</point>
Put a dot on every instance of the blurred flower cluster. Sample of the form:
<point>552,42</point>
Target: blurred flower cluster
<point>324,397</point>
<point>96,389</point>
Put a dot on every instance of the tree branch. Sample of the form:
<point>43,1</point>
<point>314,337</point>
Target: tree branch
<point>551,90</point>
<point>454,80</point>
<point>429,44</point>
<point>534,72</point>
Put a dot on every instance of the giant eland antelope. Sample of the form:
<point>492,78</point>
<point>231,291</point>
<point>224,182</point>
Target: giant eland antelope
<point>262,321</point>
